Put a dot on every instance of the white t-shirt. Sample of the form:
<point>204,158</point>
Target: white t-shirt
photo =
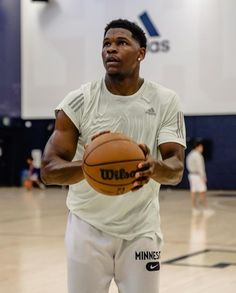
<point>195,163</point>
<point>151,116</point>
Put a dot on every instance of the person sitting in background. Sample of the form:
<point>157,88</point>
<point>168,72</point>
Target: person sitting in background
<point>32,176</point>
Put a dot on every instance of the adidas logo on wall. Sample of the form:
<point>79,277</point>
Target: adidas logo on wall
<point>155,43</point>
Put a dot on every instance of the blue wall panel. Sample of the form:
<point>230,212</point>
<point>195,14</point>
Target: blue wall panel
<point>10,103</point>
<point>219,134</point>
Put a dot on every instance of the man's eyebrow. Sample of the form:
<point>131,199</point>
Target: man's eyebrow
<point>119,38</point>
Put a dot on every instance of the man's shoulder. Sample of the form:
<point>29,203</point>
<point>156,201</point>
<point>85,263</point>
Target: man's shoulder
<point>84,88</point>
<point>159,88</point>
<point>161,95</point>
<point>193,154</point>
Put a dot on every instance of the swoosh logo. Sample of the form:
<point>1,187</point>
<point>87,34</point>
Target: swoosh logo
<point>153,266</point>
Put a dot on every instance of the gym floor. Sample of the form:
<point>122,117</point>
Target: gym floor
<point>199,253</point>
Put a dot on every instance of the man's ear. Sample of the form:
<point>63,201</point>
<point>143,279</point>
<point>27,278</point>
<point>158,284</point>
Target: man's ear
<point>142,53</point>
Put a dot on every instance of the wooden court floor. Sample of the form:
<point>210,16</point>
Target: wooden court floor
<point>199,253</point>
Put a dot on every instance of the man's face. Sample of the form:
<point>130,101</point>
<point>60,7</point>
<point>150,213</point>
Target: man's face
<point>200,148</point>
<point>120,52</point>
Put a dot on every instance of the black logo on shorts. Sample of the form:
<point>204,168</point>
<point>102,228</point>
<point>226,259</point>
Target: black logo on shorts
<point>153,266</point>
<point>147,255</point>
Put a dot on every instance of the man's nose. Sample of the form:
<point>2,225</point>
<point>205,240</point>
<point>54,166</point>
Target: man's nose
<point>112,48</point>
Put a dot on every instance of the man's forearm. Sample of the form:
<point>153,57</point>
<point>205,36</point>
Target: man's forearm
<point>61,172</point>
<point>169,171</point>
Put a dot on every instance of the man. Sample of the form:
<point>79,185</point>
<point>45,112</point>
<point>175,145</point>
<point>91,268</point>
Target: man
<point>197,176</point>
<point>116,237</point>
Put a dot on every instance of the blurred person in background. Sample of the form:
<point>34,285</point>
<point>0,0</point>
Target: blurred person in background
<point>31,176</point>
<point>195,164</point>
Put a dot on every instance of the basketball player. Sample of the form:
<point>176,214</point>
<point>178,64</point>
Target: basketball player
<point>197,177</point>
<point>116,237</point>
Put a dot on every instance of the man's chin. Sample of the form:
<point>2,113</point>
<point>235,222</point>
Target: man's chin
<point>112,71</point>
<point>115,74</point>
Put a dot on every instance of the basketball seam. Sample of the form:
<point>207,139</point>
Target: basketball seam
<point>112,162</point>
<point>114,139</point>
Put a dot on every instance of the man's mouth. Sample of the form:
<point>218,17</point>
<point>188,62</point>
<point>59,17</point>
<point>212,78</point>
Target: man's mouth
<point>112,60</point>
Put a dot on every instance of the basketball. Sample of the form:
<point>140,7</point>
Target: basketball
<point>27,184</point>
<point>110,162</point>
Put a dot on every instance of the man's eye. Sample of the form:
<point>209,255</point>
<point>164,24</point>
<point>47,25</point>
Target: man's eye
<point>106,44</point>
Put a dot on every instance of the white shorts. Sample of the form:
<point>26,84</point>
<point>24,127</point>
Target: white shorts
<point>94,258</point>
<point>197,184</point>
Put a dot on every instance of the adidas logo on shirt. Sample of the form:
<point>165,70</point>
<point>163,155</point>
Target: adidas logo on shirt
<point>151,111</point>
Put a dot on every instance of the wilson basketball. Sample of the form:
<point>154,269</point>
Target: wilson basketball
<point>110,162</point>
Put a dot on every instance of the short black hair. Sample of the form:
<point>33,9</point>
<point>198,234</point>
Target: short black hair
<point>197,143</point>
<point>137,33</point>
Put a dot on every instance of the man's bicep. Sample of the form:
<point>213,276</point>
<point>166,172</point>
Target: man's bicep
<point>63,141</point>
<point>171,149</point>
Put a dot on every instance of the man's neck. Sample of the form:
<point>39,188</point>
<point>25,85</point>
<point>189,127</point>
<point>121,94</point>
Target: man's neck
<point>123,87</point>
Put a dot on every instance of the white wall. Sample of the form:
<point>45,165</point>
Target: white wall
<point>62,41</point>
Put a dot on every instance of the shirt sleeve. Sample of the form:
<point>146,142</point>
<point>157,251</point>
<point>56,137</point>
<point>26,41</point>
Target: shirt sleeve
<point>173,125</point>
<point>73,106</point>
